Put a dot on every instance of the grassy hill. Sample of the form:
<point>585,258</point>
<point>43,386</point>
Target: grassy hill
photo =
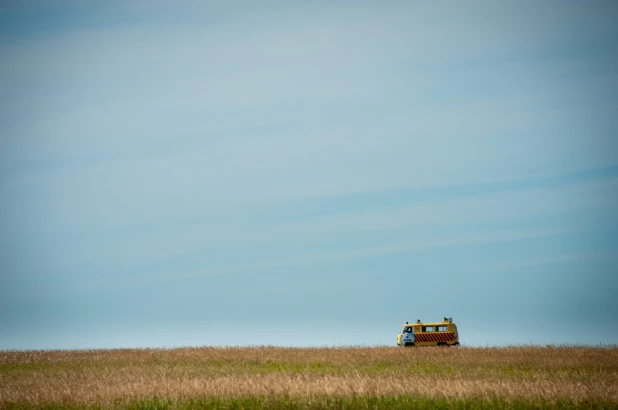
<point>290,378</point>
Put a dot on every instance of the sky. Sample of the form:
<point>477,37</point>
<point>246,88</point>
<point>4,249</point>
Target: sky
<point>301,173</point>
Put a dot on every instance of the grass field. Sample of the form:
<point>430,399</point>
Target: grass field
<point>290,378</point>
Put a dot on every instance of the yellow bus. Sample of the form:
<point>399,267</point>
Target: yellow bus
<point>429,334</point>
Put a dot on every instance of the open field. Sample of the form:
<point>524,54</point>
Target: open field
<point>274,377</point>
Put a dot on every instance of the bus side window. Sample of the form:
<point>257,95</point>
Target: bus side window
<point>441,329</point>
<point>427,328</point>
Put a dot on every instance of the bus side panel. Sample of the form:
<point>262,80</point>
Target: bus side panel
<point>435,337</point>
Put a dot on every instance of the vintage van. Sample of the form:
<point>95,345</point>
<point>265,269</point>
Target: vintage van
<point>429,334</point>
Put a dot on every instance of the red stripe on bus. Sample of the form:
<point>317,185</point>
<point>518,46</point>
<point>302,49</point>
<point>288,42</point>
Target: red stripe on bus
<point>435,337</point>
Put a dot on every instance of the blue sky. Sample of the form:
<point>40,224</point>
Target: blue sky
<point>307,173</point>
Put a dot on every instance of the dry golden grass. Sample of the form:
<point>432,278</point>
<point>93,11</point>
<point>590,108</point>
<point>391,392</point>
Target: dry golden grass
<point>100,377</point>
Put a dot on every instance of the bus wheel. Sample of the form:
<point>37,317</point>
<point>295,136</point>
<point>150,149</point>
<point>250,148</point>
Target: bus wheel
<point>409,344</point>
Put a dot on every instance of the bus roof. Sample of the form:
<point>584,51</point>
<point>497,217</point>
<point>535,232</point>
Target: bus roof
<point>429,324</point>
